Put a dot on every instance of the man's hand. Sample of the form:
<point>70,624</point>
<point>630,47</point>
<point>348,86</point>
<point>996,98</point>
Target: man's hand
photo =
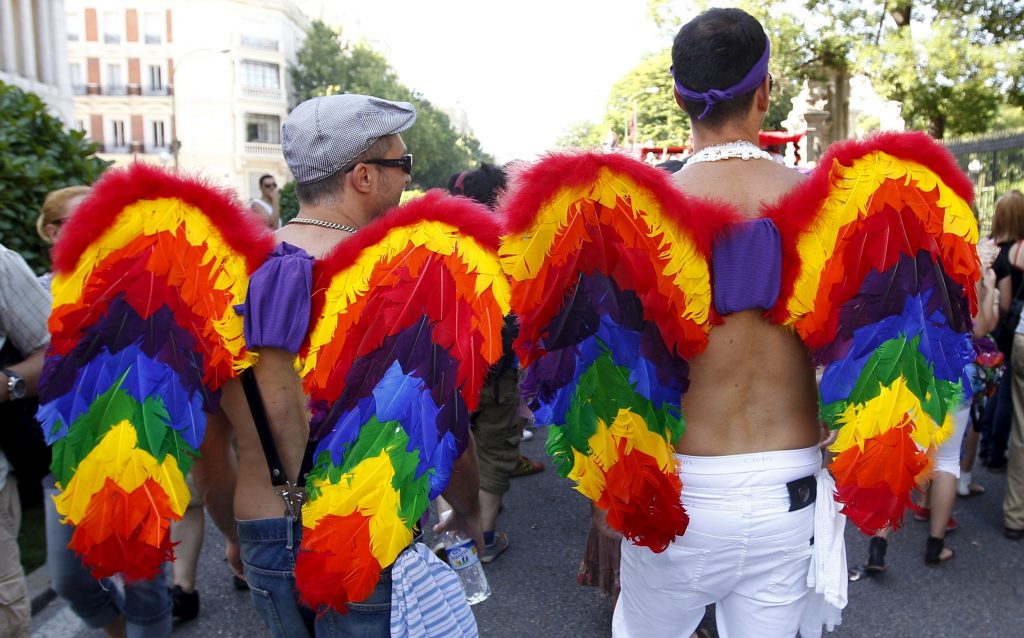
<point>233,555</point>
<point>468,525</point>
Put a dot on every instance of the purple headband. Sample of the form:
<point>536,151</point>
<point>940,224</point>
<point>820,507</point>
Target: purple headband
<point>750,82</point>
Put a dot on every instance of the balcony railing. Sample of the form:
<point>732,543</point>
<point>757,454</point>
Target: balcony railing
<point>261,93</point>
<point>259,42</point>
<point>115,89</point>
<point>155,90</point>
<point>79,89</point>
<point>152,38</point>
<point>115,148</point>
<point>112,38</point>
<point>153,149</point>
<point>263,149</point>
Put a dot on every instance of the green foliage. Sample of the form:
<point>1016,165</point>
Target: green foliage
<point>947,83</point>
<point>37,156</point>
<point>327,66</point>
<point>289,202</point>
<point>582,135</point>
<point>659,118</point>
<point>952,63</point>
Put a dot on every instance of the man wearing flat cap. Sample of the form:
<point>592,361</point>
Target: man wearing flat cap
<point>350,165</point>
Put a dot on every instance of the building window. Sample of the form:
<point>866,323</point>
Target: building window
<point>113,26</point>
<point>115,80</point>
<point>155,74</point>
<point>157,135</point>
<point>261,75</point>
<point>258,35</point>
<point>153,25</point>
<point>77,81</point>
<point>117,142</point>
<point>74,27</point>
<point>265,129</point>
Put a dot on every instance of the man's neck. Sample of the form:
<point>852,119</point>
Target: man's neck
<point>730,132</point>
<point>339,214</point>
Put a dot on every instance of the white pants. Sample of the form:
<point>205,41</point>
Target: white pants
<point>947,455</point>
<point>743,550</point>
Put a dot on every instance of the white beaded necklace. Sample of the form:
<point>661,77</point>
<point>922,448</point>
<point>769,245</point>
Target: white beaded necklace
<point>741,149</point>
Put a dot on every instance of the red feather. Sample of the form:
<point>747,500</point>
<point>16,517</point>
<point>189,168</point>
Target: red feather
<point>338,545</point>
<point>119,188</point>
<point>642,501</point>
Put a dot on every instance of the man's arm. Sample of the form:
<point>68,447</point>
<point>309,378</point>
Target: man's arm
<point>463,494</point>
<point>29,370</point>
<point>216,474</point>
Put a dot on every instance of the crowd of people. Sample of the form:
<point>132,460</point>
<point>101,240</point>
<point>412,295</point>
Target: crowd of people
<point>748,473</point>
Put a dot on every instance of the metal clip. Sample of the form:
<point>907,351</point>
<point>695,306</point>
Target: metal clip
<point>294,496</point>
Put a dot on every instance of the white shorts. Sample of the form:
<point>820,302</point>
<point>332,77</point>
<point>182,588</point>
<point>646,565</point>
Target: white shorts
<point>743,550</point>
<point>947,455</point>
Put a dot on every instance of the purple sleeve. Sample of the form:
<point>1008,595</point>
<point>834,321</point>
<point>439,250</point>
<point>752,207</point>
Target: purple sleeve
<point>277,308</point>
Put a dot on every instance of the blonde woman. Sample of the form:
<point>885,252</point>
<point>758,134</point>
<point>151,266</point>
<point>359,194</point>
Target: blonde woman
<point>57,209</point>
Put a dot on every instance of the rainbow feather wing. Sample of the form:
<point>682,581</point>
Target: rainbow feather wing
<point>882,293</point>
<point>143,335</point>
<point>610,281</point>
<point>407,322</point>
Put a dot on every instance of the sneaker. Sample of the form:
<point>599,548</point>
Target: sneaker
<point>184,605</point>
<point>495,549</point>
<point>526,467</point>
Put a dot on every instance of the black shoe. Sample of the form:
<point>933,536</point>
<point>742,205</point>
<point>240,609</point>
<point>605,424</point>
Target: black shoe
<point>876,555</point>
<point>933,551</point>
<point>1013,534</point>
<point>184,606</point>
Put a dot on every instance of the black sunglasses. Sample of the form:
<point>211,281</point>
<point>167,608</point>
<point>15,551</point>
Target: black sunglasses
<point>404,162</point>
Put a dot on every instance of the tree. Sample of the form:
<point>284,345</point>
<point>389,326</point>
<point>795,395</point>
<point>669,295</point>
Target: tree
<point>37,156</point>
<point>325,65</point>
<point>583,134</point>
<point>951,63</point>
<point>658,118</point>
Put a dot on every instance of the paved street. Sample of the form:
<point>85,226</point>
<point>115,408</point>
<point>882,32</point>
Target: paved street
<point>979,594</point>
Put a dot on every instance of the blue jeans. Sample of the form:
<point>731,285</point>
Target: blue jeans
<point>269,547</point>
<point>146,606</point>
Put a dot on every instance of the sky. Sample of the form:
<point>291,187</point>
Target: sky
<point>523,71</point>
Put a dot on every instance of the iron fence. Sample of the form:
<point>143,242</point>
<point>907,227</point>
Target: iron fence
<point>995,163</point>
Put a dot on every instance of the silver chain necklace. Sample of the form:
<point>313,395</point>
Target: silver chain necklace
<point>741,149</point>
<point>323,223</point>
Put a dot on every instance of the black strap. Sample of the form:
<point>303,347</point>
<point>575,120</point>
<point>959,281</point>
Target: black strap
<point>259,417</point>
<point>254,398</point>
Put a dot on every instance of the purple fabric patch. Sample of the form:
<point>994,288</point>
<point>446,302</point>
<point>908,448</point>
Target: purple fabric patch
<point>747,267</point>
<point>277,308</point>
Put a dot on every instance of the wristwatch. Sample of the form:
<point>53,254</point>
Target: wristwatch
<point>15,384</point>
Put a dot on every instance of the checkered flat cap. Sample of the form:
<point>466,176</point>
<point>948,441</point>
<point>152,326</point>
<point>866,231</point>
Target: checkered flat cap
<point>324,134</point>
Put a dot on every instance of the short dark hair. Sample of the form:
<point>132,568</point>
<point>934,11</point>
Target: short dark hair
<point>483,184</point>
<point>263,177</point>
<point>328,190</point>
<point>716,50</point>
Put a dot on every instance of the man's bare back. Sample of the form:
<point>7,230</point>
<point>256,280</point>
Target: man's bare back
<point>753,388</point>
<point>255,496</point>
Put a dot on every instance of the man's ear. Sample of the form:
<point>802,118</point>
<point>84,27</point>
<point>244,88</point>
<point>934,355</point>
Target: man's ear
<point>763,96</point>
<point>361,178</point>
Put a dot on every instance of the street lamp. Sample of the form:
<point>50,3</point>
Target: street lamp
<point>175,142</point>
<point>651,90</point>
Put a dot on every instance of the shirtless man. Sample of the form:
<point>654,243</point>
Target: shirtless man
<point>751,409</point>
<point>350,165</point>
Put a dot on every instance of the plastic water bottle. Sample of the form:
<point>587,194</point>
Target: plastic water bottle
<point>464,561</point>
